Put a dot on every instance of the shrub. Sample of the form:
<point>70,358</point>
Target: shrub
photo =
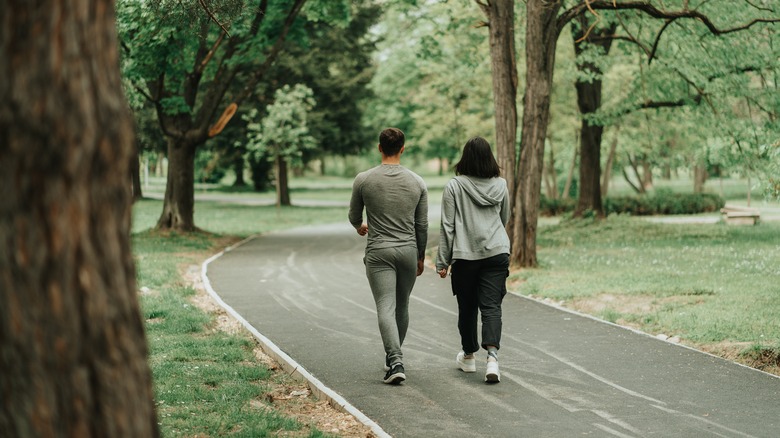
<point>555,207</point>
<point>664,202</point>
<point>661,202</point>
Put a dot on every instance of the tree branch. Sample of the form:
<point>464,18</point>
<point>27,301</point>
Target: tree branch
<point>213,18</point>
<point>654,12</point>
<point>271,57</point>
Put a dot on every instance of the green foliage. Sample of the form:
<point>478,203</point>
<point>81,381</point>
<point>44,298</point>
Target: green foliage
<point>661,202</point>
<point>284,130</point>
<point>664,202</point>
<point>433,76</point>
<point>703,99</point>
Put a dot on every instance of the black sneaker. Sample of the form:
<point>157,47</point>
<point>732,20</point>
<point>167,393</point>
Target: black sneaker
<point>387,363</point>
<point>395,375</point>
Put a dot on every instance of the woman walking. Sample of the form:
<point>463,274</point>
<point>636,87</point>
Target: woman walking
<point>474,246</point>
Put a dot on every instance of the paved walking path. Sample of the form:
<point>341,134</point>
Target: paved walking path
<point>563,375</point>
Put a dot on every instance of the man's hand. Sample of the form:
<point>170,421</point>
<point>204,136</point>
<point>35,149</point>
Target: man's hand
<point>363,230</point>
<point>420,267</point>
<point>443,272</point>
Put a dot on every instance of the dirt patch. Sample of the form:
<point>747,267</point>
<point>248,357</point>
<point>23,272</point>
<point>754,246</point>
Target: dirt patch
<point>636,304</point>
<point>286,396</point>
<point>764,359</point>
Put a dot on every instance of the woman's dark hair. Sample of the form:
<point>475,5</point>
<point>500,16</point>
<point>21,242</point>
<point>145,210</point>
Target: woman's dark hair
<point>391,140</point>
<point>477,160</point>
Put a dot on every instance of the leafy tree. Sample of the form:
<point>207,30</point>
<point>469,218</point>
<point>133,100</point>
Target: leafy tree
<point>194,62</point>
<point>283,134</point>
<point>72,348</point>
<point>545,21</point>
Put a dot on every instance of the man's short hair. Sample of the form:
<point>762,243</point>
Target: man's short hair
<point>391,140</point>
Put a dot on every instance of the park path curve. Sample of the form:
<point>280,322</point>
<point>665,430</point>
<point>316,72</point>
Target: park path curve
<point>563,374</point>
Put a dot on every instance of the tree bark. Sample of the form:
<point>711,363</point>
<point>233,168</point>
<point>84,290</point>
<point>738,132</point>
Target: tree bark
<point>699,178</point>
<point>179,201</point>
<point>552,177</point>
<point>73,352</point>
<point>238,167</point>
<point>135,174</point>
<point>501,23</point>
<point>541,36</point>
<point>570,176</point>
<point>610,162</point>
<point>282,186</point>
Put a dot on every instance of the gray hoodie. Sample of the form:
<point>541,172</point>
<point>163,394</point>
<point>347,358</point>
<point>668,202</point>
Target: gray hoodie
<point>474,213</point>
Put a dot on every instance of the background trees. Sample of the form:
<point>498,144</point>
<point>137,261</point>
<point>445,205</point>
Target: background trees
<point>544,23</point>
<point>72,346</point>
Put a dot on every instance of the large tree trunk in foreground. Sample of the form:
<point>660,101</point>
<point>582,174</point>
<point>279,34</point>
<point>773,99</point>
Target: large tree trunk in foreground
<point>73,353</point>
<point>541,36</point>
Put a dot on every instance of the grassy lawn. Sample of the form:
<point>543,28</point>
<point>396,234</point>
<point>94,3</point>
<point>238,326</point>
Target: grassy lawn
<point>208,381</point>
<point>713,285</point>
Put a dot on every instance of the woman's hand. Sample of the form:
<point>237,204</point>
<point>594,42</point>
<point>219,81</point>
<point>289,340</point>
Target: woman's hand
<point>443,272</point>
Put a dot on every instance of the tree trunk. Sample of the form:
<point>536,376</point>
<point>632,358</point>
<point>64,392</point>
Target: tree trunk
<point>647,174</point>
<point>699,178</point>
<point>501,22</point>
<point>135,174</point>
<point>158,166</point>
<point>570,176</point>
<point>238,168</point>
<point>610,162</point>
<point>552,177</point>
<point>282,187</point>
<point>589,101</point>
<point>541,36</point>
<point>179,200</point>
<point>73,352</point>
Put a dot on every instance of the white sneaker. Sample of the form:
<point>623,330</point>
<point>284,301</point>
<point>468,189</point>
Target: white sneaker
<point>466,365</point>
<point>492,375</point>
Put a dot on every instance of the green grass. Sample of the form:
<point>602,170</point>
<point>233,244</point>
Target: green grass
<point>207,382</point>
<point>706,283</point>
<point>231,219</point>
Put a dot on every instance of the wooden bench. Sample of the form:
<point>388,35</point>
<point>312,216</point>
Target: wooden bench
<point>740,215</point>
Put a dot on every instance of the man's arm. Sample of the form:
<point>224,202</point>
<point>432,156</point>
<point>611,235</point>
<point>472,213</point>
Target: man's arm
<point>421,223</point>
<point>356,205</point>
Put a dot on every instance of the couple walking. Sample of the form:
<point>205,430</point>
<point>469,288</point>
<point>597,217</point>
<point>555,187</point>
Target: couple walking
<point>473,247</point>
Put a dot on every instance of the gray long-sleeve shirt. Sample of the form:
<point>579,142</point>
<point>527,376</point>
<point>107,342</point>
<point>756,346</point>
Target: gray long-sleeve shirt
<point>474,213</point>
<point>396,204</point>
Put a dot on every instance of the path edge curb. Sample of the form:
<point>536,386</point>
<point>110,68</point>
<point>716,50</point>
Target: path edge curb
<point>289,365</point>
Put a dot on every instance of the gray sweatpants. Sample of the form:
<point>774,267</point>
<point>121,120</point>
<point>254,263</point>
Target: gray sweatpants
<point>391,274</point>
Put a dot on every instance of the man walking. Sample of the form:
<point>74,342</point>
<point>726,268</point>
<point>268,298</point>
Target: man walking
<point>396,204</point>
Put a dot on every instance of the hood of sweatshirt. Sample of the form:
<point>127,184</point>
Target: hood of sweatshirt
<point>483,191</point>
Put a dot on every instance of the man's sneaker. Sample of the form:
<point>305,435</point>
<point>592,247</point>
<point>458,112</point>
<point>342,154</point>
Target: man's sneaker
<point>395,375</point>
<point>492,375</point>
<point>466,365</point>
<point>387,363</point>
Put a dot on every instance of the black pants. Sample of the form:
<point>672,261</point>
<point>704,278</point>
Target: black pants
<point>480,286</point>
